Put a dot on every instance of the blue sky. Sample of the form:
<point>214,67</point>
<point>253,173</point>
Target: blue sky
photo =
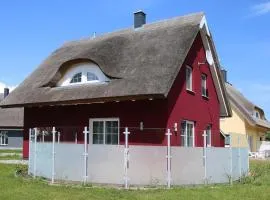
<point>31,30</point>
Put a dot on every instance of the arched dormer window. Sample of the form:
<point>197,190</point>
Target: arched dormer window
<point>83,73</point>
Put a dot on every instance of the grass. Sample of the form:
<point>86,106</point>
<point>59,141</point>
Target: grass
<point>11,157</point>
<point>254,187</point>
<point>10,151</point>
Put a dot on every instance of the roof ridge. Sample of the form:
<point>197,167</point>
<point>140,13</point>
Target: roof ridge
<point>124,30</point>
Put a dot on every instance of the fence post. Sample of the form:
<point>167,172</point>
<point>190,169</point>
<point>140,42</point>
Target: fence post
<point>35,152</point>
<point>53,155</point>
<point>239,159</point>
<point>205,157</point>
<point>29,151</point>
<point>85,154</point>
<point>58,137</point>
<point>231,160</point>
<point>126,158</point>
<point>76,140</point>
<point>168,156</point>
<point>42,136</point>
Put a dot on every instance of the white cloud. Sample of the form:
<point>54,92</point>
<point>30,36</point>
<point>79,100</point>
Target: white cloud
<point>3,85</point>
<point>261,9</point>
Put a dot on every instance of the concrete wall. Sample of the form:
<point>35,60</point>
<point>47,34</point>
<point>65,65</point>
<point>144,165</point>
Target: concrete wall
<point>187,165</point>
<point>106,164</point>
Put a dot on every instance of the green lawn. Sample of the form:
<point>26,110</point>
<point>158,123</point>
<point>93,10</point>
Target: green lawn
<point>11,157</point>
<point>10,151</point>
<point>255,187</point>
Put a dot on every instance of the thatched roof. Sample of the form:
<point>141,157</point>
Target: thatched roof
<point>141,63</point>
<point>246,107</point>
<point>10,117</point>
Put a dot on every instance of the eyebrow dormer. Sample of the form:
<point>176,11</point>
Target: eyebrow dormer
<point>82,73</point>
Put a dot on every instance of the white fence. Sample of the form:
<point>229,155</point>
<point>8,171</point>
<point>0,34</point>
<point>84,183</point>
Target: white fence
<point>136,165</point>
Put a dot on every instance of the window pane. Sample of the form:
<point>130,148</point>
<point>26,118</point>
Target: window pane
<point>98,127</point>
<point>111,132</point>
<point>208,135</point>
<point>203,85</point>
<point>188,78</point>
<point>77,78</point>
<point>190,134</point>
<point>91,76</point>
<point>183,133</point>
<point>98,139</point>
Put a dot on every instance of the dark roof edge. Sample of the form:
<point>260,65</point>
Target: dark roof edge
<point>88,101</point>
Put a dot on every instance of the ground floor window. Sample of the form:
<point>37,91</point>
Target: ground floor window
<point>208,136</point>
<point>105,131</point>
<point>3,138</point>
<point>187,134</point>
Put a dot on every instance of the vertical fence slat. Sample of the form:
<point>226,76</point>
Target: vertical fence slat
<point>29,151</point>
<point>35,152</point>
<point>85,154</point>
<point>204,157</point>
<point>126,158</point>
<point>53,155</point>
<point>169,157</point>
<point>231,161</point>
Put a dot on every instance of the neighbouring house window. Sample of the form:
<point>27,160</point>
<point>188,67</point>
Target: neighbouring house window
<point>257,115</point>
<point>204,85</point>
<point>91,76</point>
<point>105,131</point>
<point>187,134</point>
<point>188,78</point>
<point>77,78</point>
<point>3,138</point>
<point>227,140</point>
<point>208,136</point>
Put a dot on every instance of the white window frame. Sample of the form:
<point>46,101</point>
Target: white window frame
<point>3,138</point>
<point>204,85</point>
<point>104,128</point>
<point>83,68</point>
<point>185,134</point>
<point>208,128</point>
<point>189,87</point>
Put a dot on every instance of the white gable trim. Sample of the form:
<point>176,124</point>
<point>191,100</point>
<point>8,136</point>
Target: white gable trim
<point>204,32</point>
<point>203,25</point>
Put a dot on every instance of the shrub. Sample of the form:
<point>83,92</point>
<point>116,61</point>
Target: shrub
<point>21,170</point>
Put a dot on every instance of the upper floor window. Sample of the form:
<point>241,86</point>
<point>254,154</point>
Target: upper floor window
<point>81,73</point>
<point>188,78</point>
<point>204,85</point>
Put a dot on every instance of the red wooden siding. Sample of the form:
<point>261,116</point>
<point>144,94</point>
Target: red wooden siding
<point>156,114</point>
<point>184,105</point>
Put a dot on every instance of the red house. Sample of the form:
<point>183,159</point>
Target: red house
<point>149,78</point>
